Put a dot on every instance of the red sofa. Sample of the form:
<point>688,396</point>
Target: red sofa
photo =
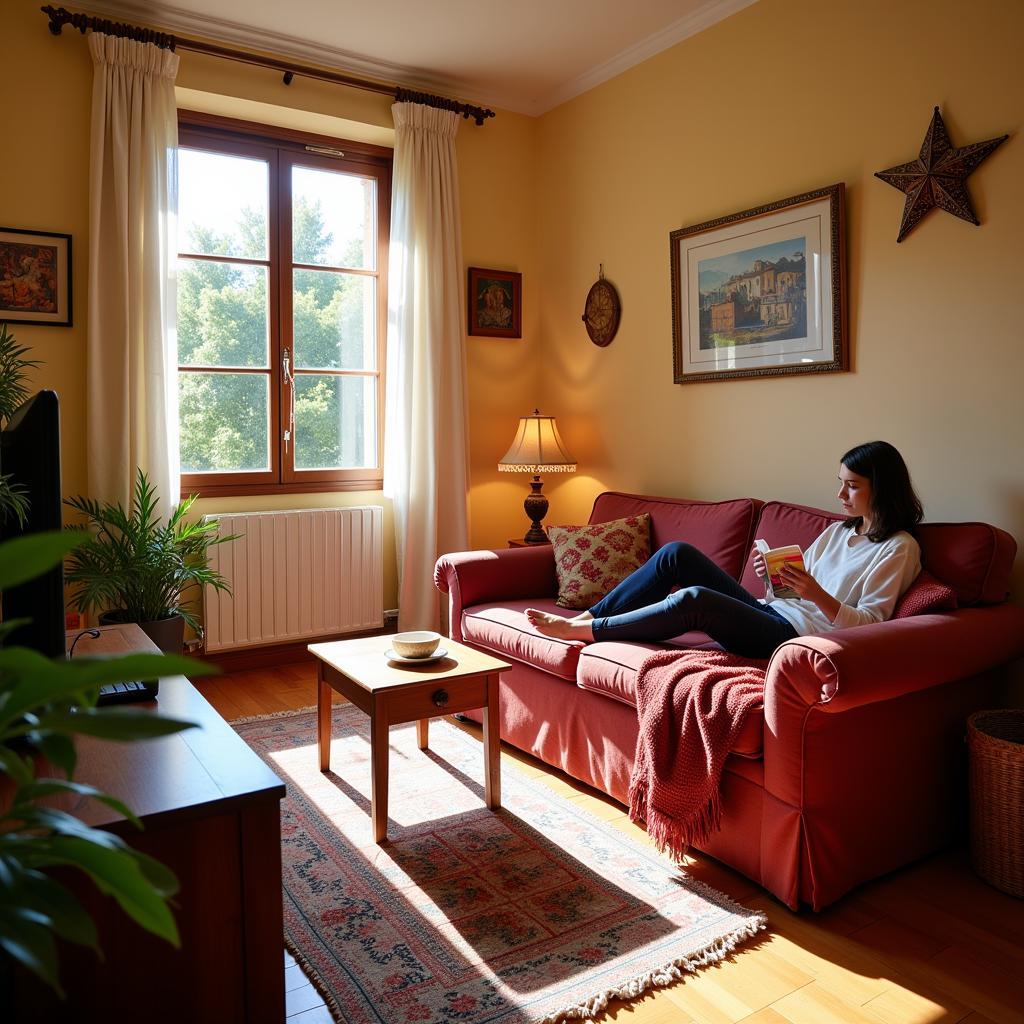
<point>856,765</point>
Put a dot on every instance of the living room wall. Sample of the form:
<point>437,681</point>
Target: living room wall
<point>44,182</point>
<point>786,96</point>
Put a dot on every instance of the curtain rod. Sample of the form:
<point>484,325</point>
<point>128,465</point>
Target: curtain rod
<point>60,16</point>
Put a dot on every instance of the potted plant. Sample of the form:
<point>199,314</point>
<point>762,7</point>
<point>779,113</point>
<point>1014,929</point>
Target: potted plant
<point>43,705</point>
<point>136,568</point>
<point>13,391</point>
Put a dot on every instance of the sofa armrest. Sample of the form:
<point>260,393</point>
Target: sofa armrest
<point>472,577</point>
<point>814,681</point>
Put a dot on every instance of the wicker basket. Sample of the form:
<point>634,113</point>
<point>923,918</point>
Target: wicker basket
<point>995,740</point>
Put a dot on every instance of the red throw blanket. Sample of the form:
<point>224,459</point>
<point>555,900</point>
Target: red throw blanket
<point>692,706</point>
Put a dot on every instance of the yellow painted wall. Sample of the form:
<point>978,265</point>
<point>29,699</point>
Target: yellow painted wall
<point>785,96</point>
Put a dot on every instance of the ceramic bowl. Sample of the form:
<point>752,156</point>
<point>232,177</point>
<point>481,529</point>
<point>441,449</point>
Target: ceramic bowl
<point>420,643</point>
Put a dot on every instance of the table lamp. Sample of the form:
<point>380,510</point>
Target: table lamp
<point>537,449</point>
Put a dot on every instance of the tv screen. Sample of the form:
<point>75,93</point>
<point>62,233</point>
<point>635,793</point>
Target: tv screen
<point>30,455</point>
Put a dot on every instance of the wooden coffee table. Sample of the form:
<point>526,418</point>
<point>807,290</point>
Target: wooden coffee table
<point>391,692</point>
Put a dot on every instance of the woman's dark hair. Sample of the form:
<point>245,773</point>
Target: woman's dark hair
<point>894,505</point>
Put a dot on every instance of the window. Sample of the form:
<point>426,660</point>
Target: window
<point>282,263</point>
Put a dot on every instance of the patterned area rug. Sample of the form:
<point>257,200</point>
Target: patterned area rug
<point>531,914</point>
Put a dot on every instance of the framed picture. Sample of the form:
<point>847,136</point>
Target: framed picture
<point>495,303</point>
<point>35,277</point>
<point>761,293</point>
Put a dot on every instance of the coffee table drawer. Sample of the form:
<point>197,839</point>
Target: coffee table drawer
<point>429,699</point>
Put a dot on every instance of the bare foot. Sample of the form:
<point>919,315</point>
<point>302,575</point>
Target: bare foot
<point>559,627</point>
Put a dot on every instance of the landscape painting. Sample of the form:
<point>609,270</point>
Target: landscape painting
<point>761,293</point>
<point>757,295</point>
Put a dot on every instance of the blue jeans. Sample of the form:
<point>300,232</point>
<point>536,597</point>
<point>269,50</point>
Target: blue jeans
<point>644,607</point>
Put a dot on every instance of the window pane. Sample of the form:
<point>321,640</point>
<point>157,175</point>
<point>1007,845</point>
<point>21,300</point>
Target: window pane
<point>224,422</point>
<point>335,422</point>
<point>222,314</point>
<point>333,219</point>
<point>222,204</point>
<point>334,317</point>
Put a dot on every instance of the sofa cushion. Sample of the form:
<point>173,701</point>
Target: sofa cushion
<point>610,669</point>
<point>781,523</point>
<point>504,630</point>
<point>926,594</point>
<point>975,559</point>
<point>721,529</point>
<point>591,560</point>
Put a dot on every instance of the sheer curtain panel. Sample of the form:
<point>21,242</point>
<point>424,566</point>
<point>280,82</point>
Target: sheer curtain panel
<point>132,351</point>
<point>425,458</point>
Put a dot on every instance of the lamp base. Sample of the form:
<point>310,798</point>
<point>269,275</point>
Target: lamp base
<point>536,506</point>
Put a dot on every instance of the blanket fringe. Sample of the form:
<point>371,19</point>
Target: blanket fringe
<point>670,835</point>
<point>662,976</point>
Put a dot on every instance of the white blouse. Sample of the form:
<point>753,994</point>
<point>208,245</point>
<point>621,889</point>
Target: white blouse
<point>867,578</point>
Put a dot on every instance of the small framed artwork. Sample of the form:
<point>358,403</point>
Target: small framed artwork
<point>762,293</point>
<point>35,277</point>
<point>495,303</point>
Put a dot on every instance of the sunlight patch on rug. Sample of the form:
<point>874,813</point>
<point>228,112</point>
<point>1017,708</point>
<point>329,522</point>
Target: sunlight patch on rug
<point>531,914</point>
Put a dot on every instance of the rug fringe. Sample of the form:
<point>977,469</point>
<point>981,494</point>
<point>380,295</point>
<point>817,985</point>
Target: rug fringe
<point>333,1007</point>
<point>662,976</point>
<point>246,719</point>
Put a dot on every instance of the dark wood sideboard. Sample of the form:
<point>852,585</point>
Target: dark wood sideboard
<point>211,813</point>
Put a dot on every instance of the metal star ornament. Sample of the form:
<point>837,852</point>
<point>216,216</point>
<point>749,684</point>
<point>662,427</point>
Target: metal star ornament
<point>938,177</point>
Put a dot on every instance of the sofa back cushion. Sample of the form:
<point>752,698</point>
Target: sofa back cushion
<point>974,559</point>
<point>721,529</point>
<point>782,523</point>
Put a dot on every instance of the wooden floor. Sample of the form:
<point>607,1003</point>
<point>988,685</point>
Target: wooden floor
<point>931,944</point>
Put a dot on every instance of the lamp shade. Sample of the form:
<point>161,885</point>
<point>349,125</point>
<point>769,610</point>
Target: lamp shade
<point>537,448</point>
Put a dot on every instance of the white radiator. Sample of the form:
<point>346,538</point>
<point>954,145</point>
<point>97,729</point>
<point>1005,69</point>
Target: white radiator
<point>296,574</point>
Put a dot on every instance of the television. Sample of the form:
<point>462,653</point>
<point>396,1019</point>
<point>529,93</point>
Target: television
<point>30,456</point>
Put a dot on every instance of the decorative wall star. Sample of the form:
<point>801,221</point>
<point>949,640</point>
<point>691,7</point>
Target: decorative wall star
<point>938,177</point>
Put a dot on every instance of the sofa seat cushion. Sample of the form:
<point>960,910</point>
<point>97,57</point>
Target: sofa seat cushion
<point>610,669</point>
<point>503,629</point>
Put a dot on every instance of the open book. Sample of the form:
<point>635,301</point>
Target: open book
<point>774,559</point>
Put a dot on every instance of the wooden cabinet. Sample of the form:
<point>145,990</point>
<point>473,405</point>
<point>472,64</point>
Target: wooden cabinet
<point>211,813</point>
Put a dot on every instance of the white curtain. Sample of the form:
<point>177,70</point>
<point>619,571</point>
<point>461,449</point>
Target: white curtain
<point>425,457</point>
<point>132,351</point>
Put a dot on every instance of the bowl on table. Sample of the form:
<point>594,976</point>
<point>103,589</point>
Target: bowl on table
<point>420,643</point>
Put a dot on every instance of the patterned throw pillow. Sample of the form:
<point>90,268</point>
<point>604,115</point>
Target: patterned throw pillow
<point>590,560</point>
<point>925,594</point>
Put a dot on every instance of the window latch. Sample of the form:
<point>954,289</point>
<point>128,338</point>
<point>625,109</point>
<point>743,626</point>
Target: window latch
<point>289,379</point>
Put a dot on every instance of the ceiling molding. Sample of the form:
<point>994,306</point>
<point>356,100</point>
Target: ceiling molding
<point>203,26</point>
<point>709,14</point>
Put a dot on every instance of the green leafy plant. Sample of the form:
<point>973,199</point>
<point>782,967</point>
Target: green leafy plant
<point>13,391</point>
<point>43,704</point>
<point>136,564</point>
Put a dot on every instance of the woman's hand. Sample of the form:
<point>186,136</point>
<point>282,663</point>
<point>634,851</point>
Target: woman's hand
<point>757,561</point>
<point>809,588</point>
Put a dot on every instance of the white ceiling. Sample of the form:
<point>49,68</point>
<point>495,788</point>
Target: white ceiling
<point>522,55</point>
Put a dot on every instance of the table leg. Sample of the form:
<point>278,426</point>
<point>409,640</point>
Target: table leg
<point>379,773</point>
<point>423,733</point>
<point>323,718</point>
<point>492,744</point>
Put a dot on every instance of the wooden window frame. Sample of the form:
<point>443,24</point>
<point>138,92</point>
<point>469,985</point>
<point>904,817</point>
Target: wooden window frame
<point>283,148</point>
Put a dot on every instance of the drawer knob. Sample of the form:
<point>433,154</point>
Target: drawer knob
<point>440,698</point>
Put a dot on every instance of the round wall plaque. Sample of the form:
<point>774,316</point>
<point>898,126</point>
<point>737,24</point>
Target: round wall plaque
<point>601,311</point>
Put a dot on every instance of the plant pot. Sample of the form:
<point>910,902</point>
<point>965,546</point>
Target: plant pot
<point>168,634</point>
